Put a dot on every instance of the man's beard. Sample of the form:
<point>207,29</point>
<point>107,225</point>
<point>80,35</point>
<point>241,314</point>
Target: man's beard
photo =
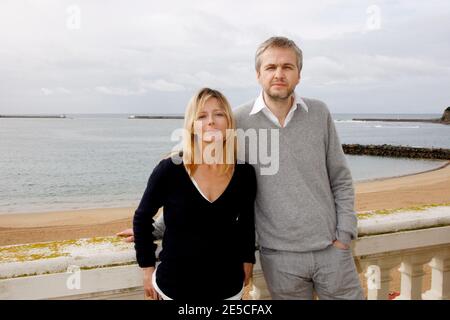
<point>280,96</point>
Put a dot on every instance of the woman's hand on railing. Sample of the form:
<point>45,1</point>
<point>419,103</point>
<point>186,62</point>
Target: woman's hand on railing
<point>149,290</point>
<point>127,234</point>
<point>248,271</point>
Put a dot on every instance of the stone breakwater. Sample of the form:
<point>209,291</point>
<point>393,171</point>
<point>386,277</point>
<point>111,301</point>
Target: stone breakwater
<point>438,121</point>
<point>157,117</point>
<point>386,150</point>
<point>12,116</point>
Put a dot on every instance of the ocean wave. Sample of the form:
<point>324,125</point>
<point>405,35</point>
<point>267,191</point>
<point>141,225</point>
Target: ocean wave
<point>397,127</point>
<point>369,124</point>
<point>350,121</point>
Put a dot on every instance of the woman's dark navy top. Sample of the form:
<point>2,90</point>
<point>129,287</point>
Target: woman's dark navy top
<point>204,244</point>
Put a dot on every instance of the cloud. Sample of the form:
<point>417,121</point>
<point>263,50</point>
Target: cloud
<point>234,77</point>
<point>163,85</point>
<point>47,91</point>
<point>152,50</point>
<point>116,91</point>
<point>369,69</point>
<point>143,88</point>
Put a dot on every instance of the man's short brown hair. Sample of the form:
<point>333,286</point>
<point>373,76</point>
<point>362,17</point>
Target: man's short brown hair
<point>278,42</point>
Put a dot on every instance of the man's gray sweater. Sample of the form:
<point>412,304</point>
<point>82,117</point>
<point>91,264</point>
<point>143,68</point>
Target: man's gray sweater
<point>309,202</point>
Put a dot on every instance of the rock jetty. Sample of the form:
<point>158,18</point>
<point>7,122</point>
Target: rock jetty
<point>157,117</point>
<point>387,150</point>
<point>446,116</point>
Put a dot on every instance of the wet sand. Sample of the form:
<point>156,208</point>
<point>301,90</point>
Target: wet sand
<point>431,187</point>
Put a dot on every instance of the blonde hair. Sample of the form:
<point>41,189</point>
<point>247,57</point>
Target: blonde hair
<point>278,42</point>
<point>189,140</point>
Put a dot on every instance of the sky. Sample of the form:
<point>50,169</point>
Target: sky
<point>151,56</point>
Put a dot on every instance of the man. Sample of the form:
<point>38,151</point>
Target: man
<point>304,213</point>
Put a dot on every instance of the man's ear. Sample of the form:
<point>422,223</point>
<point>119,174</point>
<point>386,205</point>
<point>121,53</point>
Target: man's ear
<point>258,74</point>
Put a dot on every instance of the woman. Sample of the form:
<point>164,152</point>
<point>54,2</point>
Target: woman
<point>209,240</point>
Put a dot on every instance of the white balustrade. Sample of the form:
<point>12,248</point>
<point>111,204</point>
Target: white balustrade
<point>440,275</point>
<point>107,269</point>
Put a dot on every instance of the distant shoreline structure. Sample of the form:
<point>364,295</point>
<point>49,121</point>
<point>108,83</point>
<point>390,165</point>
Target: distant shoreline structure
<point>157,117</point>
<point>60,116</point>
<point>387,150</point>
<point>445,119</point>
<point>398,120</point>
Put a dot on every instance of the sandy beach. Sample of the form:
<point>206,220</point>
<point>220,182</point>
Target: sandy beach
<point>431,187</point>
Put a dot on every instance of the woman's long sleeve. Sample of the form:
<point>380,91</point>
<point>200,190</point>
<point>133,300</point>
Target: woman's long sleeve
<point>143,228</point>
<point>247,218</point>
